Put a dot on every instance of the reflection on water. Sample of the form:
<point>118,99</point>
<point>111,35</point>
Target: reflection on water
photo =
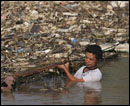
<point>92,94</point>
<point>9,96</point>
<point>57,90</point>
<point>68,92</point>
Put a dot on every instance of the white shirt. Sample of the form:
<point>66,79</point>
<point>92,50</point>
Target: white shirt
<point>91,75</point>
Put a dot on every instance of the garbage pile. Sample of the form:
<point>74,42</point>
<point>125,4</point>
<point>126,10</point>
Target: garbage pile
<point>37,33</point>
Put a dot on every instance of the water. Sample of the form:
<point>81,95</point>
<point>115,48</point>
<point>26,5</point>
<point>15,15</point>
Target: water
<point>112,90</point>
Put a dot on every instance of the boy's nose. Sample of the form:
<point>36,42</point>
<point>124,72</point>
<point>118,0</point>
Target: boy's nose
<point>87,60</point>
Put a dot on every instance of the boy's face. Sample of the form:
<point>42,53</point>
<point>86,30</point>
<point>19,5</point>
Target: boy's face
<point>90,60</point>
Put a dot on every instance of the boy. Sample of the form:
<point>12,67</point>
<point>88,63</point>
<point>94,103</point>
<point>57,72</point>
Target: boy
<point>90,71</point>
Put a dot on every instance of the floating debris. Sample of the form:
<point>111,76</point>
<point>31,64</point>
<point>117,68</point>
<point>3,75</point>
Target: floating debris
<point>39,33</point>
<point>122,47</point>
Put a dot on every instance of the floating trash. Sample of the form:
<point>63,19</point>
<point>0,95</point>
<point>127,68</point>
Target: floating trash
<point>36,34</point>
<point>122,47</point>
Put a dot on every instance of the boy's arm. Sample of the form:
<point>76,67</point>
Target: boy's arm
<point>69,75</point>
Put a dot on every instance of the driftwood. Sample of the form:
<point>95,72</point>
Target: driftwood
<point>36,70</point>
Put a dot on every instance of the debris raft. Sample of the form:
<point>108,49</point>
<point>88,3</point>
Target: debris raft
<point>39,33</point>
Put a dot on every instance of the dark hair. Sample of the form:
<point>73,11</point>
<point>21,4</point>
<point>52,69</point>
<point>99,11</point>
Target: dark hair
<point>95,49</point>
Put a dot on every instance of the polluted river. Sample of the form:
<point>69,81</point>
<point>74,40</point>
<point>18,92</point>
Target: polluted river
<point>56,90</point>
<point>37,35</point>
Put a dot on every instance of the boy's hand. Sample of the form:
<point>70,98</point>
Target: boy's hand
<point>64,66</point>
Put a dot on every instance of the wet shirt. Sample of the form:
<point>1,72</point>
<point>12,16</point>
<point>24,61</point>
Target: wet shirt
<point>90,75</point>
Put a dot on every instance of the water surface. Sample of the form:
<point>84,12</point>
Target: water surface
<point>56,90</point>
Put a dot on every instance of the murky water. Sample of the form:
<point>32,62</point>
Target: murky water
<point>112,90</point>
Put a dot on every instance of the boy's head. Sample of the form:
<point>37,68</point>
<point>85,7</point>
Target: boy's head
<point>95,49</point>
<point>93,53</point>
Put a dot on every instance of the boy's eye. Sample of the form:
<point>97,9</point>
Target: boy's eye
<point>89,58</point>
